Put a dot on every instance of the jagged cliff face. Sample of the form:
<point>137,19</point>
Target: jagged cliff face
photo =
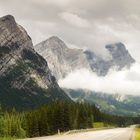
<point>61,59</point>
<point>97,63</point>
<point>119,59</point>
<point>120,56</point>
<point>25,79</point>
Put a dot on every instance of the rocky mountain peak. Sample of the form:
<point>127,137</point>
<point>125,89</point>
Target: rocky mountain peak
<point>53,42</point>
<point>55,38</point>
<point>117,48</point>
<point>120,55</point>
<point>25,78</point>
<point>90,55</point>
<point>56,42</point>
<point>115,45</point>
<point>61,59</point>
<point>97,63</point>
<point>12,33</point>
<point>8,21</point>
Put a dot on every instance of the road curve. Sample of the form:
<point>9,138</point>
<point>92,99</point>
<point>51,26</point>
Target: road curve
<point>109,134</point>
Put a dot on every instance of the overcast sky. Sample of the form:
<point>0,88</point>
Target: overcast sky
<point>80,23</point>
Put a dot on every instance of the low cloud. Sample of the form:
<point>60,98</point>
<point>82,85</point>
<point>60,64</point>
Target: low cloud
<point>122,82</point>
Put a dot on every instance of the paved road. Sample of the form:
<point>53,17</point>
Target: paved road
<point>110,134</point>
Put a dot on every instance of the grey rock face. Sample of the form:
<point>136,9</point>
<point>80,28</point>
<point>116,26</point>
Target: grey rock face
<point>120,58</point>
<point>25,79</point>
<point>13,39</point>
<point>61,59</point>
<point>11,32</point>
<point>97,64</point>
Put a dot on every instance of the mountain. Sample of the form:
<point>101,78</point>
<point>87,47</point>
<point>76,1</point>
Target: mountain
<point>63,60</point>
<point>119,59</point>
<point>125,105</point>
<point>25,78</point>
<point>120,56</point>
<point>97,63</point>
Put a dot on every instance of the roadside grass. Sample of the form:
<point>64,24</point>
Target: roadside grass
<point>100,125</point>
<point>7,138</point>
<point>137,134</point>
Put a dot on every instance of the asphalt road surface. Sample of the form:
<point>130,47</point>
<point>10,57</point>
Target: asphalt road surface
<point>109,134</point>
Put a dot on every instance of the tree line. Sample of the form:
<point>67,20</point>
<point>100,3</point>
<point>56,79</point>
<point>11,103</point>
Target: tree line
<point>54,117</point>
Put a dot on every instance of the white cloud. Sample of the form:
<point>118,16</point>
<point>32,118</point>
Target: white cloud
<point>75,20</point>
<point>123,82</point>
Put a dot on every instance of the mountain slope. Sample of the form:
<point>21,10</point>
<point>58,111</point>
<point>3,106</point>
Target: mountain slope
<point>61,59</point>
<point>25,79</point>
<point>120,55</point>
<point>97,63</point>
<point>125,105</point>
<point>119,59</point>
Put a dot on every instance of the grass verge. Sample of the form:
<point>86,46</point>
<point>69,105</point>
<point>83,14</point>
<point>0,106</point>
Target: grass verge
<point>137,134</point>
<point>101,125</point>
<point>7,138</point>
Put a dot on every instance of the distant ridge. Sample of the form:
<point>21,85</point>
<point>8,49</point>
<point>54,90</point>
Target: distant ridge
<point>63,60</point>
